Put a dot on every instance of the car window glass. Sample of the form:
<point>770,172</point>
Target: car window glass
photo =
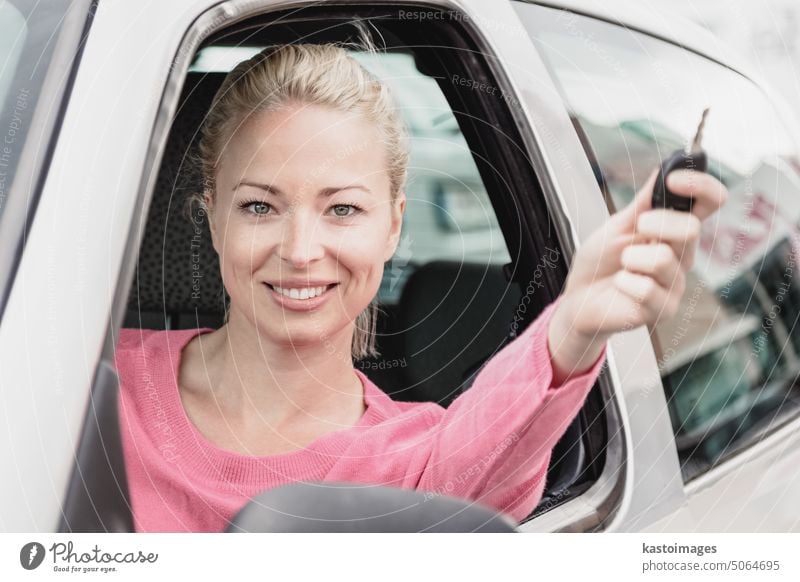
<point>13,35</point>
<point>29,32</point>
<point>730,358</point>
<point>12,38</point>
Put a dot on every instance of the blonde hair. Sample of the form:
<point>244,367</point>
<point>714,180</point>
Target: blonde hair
<point>314,74</point>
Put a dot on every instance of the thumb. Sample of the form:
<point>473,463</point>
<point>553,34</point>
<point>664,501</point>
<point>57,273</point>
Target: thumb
<point>642,202</point>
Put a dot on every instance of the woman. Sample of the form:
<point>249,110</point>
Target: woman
<point>304,161</point>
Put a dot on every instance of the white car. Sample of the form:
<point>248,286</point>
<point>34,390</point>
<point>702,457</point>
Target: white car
<point>531,122</point>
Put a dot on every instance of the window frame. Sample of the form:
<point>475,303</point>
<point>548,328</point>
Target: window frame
<point>788,422</point>
<point>597,506</point>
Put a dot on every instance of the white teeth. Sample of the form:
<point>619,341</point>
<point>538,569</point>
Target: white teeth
<point>304,293</point>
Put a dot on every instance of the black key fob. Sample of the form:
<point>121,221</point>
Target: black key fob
<point>662,196</point>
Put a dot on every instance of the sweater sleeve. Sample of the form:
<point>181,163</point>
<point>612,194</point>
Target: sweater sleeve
<point>494,441</point>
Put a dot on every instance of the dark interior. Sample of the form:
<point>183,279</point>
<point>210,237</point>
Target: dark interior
<point>444,342</point>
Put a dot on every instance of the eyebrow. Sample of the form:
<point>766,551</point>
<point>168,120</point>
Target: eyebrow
<point>325,192</point>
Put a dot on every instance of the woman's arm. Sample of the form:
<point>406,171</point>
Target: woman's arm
<point>493,443</point>
<point>571,354</point>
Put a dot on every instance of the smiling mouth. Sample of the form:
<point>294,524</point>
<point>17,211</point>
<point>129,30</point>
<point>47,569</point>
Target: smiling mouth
<point>302,293</point>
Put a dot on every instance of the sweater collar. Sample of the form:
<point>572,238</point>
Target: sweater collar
<point>200,456</point>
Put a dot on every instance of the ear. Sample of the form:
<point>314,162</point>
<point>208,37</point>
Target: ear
<point>393,240</point>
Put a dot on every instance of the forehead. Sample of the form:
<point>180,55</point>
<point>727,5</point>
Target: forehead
<point>311,138</point>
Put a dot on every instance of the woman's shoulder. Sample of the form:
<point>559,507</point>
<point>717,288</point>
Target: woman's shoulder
<point>136,338</point>
<point>132,339</point>
<point>149,346</point>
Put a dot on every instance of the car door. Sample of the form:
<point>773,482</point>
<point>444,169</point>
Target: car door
<point>728,361</point>
<point>647,472</point>
<point>93,209</point>
<point>41,46</point>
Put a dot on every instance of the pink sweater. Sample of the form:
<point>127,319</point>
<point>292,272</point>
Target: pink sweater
<point>491,445</point>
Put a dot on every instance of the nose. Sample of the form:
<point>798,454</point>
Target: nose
<point>301,239</point>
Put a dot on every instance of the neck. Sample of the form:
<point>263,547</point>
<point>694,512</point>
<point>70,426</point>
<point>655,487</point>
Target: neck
<point>249,373</point>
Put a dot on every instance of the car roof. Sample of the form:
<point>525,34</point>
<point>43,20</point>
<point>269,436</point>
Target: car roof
<point>651,18</point>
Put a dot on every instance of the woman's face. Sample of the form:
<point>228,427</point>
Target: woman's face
<point>303,221</point>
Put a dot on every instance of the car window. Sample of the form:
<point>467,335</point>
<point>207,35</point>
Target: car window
<point>435,289</point>
<point>447,302</point>
<point>14,30</point>
<point>730,358</point>
<point>448,213</point>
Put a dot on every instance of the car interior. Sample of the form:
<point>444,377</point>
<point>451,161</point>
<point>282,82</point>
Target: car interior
<point>451,315</point>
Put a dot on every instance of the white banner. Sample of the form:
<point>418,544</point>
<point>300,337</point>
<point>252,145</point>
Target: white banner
<point>401,557</point>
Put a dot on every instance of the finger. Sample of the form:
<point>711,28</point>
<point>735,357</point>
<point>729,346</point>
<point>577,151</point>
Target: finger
<point>669,225</point>
<point>681,230</point>
<point>625,218</point>
<point>655,260</point>
<point>600,255</point>
<point>686,256</point>
<point>686,253</point>
<point>646,293</point>
<point>709,193</point>
<point>612,246</point>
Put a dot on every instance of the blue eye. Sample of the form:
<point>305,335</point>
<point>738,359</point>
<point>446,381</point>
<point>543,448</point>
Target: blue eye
<point>344,210</point>
<point>258,207</point>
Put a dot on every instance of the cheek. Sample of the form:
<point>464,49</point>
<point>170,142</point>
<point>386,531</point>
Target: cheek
<point>361,251</point>
<point>247,246</point>
<point>244,251</point>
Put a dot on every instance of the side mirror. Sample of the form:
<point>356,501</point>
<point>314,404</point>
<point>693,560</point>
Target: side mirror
<point>353,507</point>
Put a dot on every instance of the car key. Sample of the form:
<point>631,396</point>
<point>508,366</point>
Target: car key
<point>692,158</point>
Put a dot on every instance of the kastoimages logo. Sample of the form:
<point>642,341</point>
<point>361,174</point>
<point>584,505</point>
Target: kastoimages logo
<point>31,555</point>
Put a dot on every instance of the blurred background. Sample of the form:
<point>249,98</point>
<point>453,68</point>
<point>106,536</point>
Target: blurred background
<point>765,32</point>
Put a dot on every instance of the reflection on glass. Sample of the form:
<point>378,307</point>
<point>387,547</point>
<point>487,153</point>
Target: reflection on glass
<point>729,359</point>
<point>29,32</point>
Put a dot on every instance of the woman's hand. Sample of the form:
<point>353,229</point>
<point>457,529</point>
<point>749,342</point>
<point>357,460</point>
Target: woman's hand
<point>630,272</point>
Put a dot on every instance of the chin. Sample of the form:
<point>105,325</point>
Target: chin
<point>298,333</point>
